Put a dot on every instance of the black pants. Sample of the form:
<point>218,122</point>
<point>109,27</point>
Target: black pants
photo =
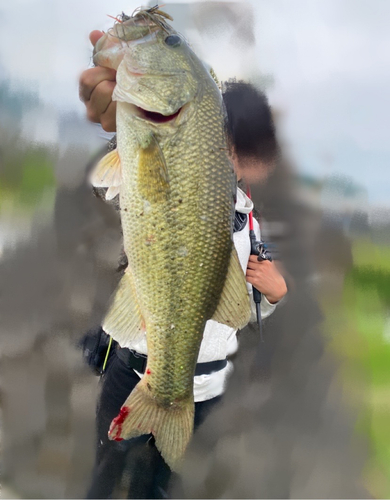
<point>135,463</point>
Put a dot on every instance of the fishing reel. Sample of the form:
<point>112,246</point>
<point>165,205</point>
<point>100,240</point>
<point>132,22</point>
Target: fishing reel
<point>260,249</point>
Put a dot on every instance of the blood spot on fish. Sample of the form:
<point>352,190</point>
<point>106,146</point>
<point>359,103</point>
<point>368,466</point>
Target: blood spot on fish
<point>148,372</point>
<point>124,411</point>
<point>150,239</point>
<point>117,423</point>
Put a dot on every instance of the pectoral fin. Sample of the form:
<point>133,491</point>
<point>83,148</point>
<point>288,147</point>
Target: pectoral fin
<point>108,174</point>
<point>112,191</point>
<point>234,308</point>
<point>124,319</point>
<point>153,177</point>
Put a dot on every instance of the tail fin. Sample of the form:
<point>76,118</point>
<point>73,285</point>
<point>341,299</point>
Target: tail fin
<point>172,427</point>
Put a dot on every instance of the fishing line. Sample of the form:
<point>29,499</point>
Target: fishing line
<point>107,353</point>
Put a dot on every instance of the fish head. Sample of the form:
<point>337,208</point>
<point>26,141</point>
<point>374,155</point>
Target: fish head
<point>156,68</point>
<point>157,73</point>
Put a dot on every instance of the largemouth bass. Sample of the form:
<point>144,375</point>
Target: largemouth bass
<point>176,187</point>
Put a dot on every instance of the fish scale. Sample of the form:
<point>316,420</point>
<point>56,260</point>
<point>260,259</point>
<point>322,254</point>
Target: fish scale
<point>177,208</point>
<point>198,236</point>
<point>193,235</point>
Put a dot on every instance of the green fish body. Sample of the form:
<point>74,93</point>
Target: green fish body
<point>176,187</point>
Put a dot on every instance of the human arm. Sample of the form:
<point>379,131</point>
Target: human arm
<point>96,87</point>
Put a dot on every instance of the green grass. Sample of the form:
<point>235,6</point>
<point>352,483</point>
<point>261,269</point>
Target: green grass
<point>24,179</point>
<point>365,348</point>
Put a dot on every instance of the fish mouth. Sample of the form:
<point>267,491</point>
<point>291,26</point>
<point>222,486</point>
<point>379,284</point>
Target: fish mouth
<point>154,117</point>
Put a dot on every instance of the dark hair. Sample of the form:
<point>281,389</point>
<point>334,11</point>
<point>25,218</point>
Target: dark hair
<point>250,127</point>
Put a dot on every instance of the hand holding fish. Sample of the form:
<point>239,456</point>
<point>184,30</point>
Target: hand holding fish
<point>96,88</point>
<point>266,278</point>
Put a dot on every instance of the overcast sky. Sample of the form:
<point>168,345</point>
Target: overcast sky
<point>329,61</point>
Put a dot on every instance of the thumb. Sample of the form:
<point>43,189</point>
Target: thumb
<point>94,36</point>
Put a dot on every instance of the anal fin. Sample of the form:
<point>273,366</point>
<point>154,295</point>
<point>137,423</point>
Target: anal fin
<point>234,307</point>
<point>124,321</point>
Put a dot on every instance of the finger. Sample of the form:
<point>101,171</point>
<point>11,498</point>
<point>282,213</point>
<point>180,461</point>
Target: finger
<point>253,258</point>
<point>251,273</point>
<point>90,78</point>
<point>94,36</point>
<point>255,264</point>
<point>100,100</point>
<point>108,119</point>
<point>251,281</point>
<point>261,265</point>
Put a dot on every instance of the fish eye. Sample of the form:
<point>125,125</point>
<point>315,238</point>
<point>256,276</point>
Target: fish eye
<point>173,40</point>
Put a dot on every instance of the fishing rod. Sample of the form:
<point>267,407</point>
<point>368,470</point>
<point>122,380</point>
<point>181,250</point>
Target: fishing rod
<point>258,248</point>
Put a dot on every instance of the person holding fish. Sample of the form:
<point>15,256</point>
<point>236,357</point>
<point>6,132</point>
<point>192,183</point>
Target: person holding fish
<point>187,287</point>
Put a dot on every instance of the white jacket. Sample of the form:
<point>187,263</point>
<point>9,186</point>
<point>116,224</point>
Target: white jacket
<point>220,341</point>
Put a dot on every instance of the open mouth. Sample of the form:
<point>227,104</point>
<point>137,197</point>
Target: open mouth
<point>154,117</point>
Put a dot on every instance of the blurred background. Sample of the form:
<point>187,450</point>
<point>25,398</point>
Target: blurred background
<point>306,414</point>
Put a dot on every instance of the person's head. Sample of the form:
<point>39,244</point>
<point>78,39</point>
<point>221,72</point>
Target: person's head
<point>250,130</point>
